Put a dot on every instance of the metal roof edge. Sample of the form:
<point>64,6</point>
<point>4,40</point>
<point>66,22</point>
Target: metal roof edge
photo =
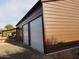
<point>39,3</point>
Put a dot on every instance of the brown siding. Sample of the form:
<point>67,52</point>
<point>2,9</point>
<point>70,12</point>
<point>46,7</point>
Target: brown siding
<point>61,20</point>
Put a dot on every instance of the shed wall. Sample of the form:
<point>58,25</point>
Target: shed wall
<point>32,31</point>
<point>33,15</point>
<point>61,19</point>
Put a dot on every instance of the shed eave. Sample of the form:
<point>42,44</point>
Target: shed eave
<point>48,0</point>
<point>35,7</point>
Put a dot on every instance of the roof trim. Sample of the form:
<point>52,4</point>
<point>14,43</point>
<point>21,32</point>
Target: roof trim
<point>10,29</point>
<point>35,7</point>
<point>49,0</point>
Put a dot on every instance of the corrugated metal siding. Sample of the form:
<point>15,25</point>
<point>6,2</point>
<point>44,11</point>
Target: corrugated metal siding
<point>61,20</point>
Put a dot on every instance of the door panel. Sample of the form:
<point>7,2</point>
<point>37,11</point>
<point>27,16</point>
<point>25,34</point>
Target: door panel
<point>36,34</point>
<point>25,31</point>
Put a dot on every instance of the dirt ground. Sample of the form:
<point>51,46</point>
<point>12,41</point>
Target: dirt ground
<point>19,51</point>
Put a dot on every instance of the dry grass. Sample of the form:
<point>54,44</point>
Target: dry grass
<point>12,51</point>
<point>18,51</point>
<point>3,39</point>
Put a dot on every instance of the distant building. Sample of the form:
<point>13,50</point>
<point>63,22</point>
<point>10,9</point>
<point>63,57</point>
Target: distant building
<point>51,25</point>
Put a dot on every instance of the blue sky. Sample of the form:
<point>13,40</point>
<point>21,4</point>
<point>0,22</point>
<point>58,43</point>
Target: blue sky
<point>12,11</point>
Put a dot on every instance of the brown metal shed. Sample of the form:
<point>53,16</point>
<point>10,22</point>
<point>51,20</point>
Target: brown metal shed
<point>60,24</point>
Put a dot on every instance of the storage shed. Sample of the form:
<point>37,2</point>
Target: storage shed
<point>51,25</point>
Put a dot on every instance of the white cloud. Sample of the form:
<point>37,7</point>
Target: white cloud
<point>14,10</point>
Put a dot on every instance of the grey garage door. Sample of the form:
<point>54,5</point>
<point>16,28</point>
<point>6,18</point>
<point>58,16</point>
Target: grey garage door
<point>36,34</point>
<point>25,32</point>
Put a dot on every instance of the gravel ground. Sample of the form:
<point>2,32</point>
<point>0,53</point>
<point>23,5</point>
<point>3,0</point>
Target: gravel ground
<point>18,51</point>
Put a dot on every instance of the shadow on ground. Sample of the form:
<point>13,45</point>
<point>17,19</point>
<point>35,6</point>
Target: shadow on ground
<point>14,50</point>
<point>20,51</point>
